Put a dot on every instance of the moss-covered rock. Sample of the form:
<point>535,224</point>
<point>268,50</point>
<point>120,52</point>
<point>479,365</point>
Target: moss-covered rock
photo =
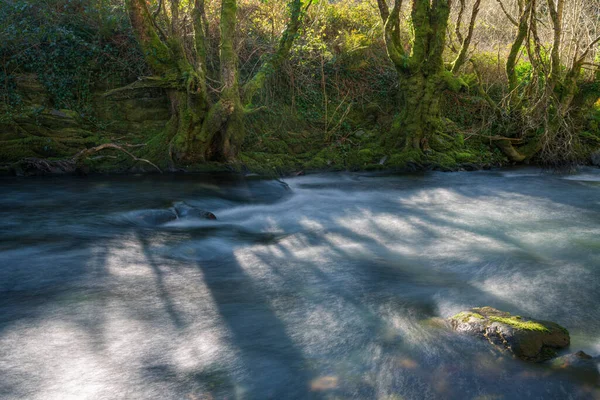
<point>442,161</point>
<point>269,164</point>
<point>525,338</point>
<point>465,157</point>
<point>359,159</point>
<point>405,160</point>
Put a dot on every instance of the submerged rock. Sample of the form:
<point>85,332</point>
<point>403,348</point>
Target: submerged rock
<point>584,365</point>
<point>526,338</point>
<point>184,210</point>
<point>155,217</point>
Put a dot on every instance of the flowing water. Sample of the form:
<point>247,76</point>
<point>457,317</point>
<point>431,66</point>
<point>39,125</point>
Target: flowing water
<point>326,287</point>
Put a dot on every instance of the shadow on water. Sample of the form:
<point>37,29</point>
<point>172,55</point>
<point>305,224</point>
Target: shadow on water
<point>272,367</point>
<point>310,315</point>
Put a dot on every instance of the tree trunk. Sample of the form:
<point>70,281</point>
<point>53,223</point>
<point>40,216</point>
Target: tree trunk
<point>200,130</point>
<point>422,74</point>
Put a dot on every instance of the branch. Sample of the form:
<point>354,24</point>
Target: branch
<point>276,59</point>
<point>482,92</point>
<point>459,21</point>
<point>510,17</point>
<point>250,111</point>
<point>150,82</point>
<point>462,56</point>
<point>392,35</point>
<point>556,14</point>
<point>87,152</point>
<point>384,10</point>
<point>515,49</point>
<point>589,48</point>
<point>158,9</point>
<point>156,51</point>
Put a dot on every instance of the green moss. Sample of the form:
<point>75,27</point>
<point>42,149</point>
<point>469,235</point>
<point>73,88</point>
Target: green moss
<point>270,164</point>
<point>442,160</point>
<point>517,322</point>
<point>453,83</point>
<point>359,159</point>
<point>317,163</point>
<point>465,316</point>
<point>275,146</point>
<point>464,157</point>
<point>443,143</point>
<point>404,159</point>
<point>334,157</point>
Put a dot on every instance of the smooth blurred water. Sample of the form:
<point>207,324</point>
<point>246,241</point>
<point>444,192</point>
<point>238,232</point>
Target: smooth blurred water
<point>323,289</point>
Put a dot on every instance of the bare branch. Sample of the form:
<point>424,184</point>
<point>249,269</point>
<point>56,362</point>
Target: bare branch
<point>510,17</point>
<point>87,152</point>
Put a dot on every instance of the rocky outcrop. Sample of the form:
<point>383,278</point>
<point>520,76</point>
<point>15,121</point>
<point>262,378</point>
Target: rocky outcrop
<point>37,129</point>
<point>525,338</point>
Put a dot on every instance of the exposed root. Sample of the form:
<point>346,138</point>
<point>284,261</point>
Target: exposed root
<point>145,83</point>
<point>87,152</point>
<point>40,166</point>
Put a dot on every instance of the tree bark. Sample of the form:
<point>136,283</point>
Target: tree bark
<point>422,74</point>
<point>200,129</point>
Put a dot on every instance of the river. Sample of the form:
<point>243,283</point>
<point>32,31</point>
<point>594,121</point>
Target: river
<point>324,286</point>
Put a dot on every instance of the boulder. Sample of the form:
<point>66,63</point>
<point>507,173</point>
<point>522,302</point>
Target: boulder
<point>525,338</point>
<point>184,210</point>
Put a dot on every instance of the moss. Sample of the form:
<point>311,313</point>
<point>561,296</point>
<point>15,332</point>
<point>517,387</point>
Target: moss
<point>443,161</point>
<point>443,143</point>
<point>465,316</point>
<point>275,146</point>
<point>316,163</point>
<point>333,156</point>
<point>405,159</point>
<point>518,323</point>
<point>270,164</point>
<point>464,157</point>
<point>453,83</point>
<point>358,159</point>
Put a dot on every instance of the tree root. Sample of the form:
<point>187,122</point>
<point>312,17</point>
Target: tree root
<point>87,152</point>
<point>39,166</point>
<point>150,82</point>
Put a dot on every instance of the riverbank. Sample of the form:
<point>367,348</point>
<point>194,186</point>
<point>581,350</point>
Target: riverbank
<point>281,139</point>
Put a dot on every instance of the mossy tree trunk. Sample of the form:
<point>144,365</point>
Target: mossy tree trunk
<point>422,73</point>
<point>203,126</point>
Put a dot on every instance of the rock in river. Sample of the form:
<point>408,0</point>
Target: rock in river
<point>526,338</point>
<point>580,363</point>
<point>154,217</point>
<point>184,210</point>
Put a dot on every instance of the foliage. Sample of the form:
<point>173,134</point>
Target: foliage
<point>71,45</point>
<point>336,101</point>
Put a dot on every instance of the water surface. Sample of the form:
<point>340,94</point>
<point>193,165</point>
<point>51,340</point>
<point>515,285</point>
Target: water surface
<point>326,287</point>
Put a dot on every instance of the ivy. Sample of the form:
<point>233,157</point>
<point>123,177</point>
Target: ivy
<point>69,44</point>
